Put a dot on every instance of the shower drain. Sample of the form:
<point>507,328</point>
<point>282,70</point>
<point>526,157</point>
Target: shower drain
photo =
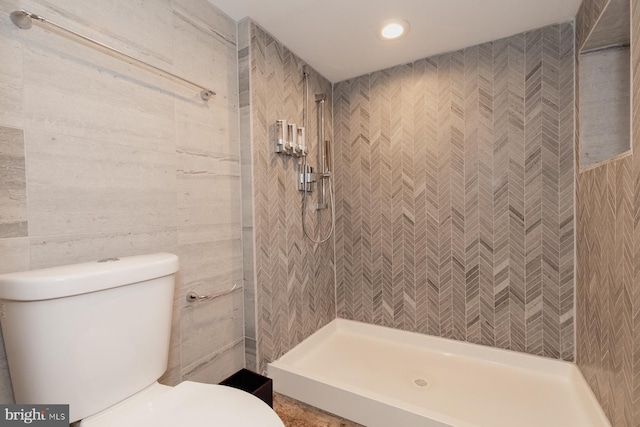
<point>419,382</point>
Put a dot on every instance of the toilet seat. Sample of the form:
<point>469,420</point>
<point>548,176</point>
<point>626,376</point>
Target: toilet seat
<point>188,404</point>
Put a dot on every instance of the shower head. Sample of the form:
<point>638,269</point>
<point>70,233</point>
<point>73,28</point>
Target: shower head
<point>23,19</point>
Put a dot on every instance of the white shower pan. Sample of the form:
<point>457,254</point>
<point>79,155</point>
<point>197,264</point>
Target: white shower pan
<point>382,377</point>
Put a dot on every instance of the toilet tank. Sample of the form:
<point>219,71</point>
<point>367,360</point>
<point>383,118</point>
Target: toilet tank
<point>88,335</point>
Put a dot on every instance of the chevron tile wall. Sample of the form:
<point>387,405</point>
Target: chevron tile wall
<point>608,259</point>
<point>289,281</point>
<point>454,183</point>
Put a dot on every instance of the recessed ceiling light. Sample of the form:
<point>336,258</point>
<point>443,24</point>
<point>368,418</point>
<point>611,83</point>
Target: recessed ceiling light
<point>393,29</point>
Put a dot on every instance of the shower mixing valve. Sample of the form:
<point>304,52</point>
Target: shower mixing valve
<point>307,178</point>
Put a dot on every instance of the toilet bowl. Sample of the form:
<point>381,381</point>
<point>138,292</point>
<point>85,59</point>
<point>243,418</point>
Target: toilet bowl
<point>187,404</point>
<point>96,335</point>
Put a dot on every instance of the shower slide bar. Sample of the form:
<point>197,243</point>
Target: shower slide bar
<point>24,19</point>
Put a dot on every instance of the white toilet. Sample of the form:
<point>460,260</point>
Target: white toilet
<point>96,336</point>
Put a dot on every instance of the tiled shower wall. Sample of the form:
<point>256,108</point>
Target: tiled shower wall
<point>454,183</point>
<point>289,281</point>
<point>102,159</point>
<point>608,258</point>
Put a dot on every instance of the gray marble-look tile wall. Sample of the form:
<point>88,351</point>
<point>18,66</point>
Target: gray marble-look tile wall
<point>454,184</point>
<point>13,193</point>
<point>290,285</point>
<point>99,158</point>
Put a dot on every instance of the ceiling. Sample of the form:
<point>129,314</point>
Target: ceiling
<point>338,37</point>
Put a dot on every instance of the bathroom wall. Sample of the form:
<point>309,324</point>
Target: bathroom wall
<point>454,184</point>
<point>607,249</point>
<point>290,281</point>
<point>102,159</point>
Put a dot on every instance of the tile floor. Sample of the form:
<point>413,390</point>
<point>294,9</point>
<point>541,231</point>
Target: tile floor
<point>297,414</point>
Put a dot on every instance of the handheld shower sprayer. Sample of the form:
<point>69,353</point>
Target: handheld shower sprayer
<point>324,156</point>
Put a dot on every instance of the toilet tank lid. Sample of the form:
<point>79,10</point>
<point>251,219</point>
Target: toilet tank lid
<point>76,279</point>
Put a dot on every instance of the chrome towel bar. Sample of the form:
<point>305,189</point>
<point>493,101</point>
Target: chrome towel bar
<point>193,297</point>
<point>24,19</point>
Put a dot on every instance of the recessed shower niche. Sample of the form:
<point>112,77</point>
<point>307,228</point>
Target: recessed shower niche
<point>605,87</point>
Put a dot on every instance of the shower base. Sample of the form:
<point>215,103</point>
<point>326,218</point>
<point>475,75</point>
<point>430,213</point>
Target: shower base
<point>382,377</point>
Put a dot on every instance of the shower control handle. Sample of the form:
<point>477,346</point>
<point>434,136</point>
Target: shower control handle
<point>307,178</point>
